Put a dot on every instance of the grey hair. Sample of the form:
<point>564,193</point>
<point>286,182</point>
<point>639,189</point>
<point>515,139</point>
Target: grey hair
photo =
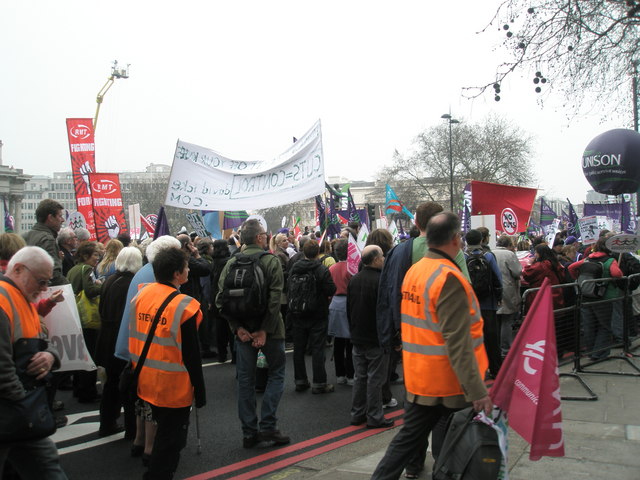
<point>161,243</point>
<point>32,257</point>
<point>82,234</point>
<point>129,260</point>
<point>64,235</point>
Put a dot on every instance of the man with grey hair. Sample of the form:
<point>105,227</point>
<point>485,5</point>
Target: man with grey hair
<point>67,242</point>
<point>82,234</point>
<point>27,276</point>
<point>144,275</point>
<point>265,333</point>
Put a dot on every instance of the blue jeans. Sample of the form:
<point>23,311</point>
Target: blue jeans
<point>246,358</point>
<point>33,459</point>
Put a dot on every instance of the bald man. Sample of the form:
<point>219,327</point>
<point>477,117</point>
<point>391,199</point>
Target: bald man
<point>369,360</point>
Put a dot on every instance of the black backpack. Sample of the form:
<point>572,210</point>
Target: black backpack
<point>480,274</point>
<point>244,295</point>
<point>302,291</point>
<point>592,269</point>
<point>470,450</point>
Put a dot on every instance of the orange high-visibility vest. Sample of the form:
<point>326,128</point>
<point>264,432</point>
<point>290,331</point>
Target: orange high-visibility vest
<point>427,369</point>
<point>164,380</point>
<point>23,316</point>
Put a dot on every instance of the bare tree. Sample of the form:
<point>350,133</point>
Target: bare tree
<point>490,151</point>
<point>587,49</point>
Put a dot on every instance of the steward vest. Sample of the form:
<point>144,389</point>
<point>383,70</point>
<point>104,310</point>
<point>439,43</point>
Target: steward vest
<point>23,316</point>
<point>428,371</point>
<point>164,380</point>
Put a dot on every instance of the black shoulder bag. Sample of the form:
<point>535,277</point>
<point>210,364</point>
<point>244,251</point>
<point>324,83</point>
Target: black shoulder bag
<point>128,384</point>
<point>29,418</point>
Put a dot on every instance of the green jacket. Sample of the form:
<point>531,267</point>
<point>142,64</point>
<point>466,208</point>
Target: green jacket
<point>274,279</point>
<point>42,236</point>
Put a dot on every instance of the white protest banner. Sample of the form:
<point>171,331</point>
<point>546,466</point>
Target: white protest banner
<point>65,333</point>
<point>393,230</point>
<point>363,234</point>
<point>589,230</point>
<point>488,221</point>
<point>198,224</point>
<point>552,230</point>
<point>134,220</point>
<point>203,179</point>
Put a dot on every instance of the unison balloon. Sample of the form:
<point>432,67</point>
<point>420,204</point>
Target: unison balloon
<point>611,162</point>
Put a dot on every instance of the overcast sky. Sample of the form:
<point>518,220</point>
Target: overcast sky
<point>244,77</point>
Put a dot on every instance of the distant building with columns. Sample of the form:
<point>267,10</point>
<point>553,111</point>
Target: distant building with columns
<point>12,182</point>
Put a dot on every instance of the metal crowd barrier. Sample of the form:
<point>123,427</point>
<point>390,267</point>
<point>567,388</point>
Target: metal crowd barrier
<point>588,329</point>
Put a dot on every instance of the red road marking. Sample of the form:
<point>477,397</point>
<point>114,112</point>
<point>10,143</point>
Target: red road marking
<point>292,448</point>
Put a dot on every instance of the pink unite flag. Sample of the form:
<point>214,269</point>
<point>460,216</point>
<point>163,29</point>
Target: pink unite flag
<point>353,256</point>
<point>528,386</point>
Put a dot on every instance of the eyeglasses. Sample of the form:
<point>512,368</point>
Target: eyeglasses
<point>41,283</point>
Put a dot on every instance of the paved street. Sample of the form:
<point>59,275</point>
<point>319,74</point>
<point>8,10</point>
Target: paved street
<point>602,438</point>
<point>315,423</point>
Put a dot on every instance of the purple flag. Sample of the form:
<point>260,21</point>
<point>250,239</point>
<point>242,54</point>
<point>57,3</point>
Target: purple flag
<point>321,213</point>
<point>615,211</point>
<point>233,219</point>
<point>547,215</point>
<point>466,208</point>
<point>333,227</point>
<point>162,226</point>
<point>572,226</point>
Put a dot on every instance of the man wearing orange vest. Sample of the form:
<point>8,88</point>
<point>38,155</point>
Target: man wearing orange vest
<point>171,374</point>
<point>442,347</point>
<point>28,275</point>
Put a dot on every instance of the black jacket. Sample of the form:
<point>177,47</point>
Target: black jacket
<point>324,284</point>
<point>362,295</point>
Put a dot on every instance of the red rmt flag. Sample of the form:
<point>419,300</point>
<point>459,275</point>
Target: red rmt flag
<point>528,386</point>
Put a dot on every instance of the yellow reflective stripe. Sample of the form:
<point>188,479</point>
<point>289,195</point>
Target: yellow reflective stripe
<point>17,325</point>
<point>478,341</point>
<point>438,350</point>
<point>160,365</point>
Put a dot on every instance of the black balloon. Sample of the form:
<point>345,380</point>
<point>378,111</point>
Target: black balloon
<point>611,162</point>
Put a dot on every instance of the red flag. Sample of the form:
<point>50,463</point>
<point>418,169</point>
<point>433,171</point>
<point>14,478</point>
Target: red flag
<point>108,210</point>
<point>528,386</point>
<point>511,205</point>
<point>83,162</point>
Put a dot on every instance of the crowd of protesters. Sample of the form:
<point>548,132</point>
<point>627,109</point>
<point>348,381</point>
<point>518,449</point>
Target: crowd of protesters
<point>315,302</point>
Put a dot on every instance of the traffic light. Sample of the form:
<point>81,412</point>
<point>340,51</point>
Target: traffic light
<point>371,212</point>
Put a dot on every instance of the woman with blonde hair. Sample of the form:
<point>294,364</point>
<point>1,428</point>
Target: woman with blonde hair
<point>107,265</point>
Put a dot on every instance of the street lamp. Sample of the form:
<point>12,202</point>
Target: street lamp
<point>447,117</point>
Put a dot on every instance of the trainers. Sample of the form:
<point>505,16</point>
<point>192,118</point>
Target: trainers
<point>390,404</point>
<point>250,442</point>
<point>328,388</point>
<point>274,437</point>
<point>350,382</point>
<point>341,380</point>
